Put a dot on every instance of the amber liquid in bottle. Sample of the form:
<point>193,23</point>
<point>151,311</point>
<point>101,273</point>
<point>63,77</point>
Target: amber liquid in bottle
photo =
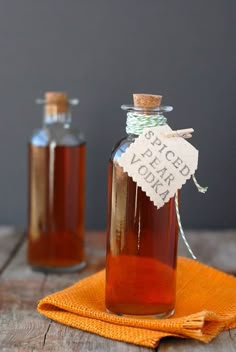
<point>141,250</point>
<point>56,206</point>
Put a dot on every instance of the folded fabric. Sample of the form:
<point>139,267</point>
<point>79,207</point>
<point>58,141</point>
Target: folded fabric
<point>205,305</point>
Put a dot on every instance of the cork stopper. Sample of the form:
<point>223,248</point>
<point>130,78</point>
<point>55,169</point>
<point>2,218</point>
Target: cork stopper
<point>56,103</point>
<point>147,100</point>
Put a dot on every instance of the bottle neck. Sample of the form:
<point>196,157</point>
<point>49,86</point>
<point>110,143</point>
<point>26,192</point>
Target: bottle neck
<point>51,118</point>
<point>137,121</point>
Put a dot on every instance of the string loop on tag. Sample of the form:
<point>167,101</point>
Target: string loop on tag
<point>181,228</point>
<point>199,187</point>
<point>136,122</point>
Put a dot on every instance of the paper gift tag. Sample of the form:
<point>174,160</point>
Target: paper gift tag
<point>159,164</point>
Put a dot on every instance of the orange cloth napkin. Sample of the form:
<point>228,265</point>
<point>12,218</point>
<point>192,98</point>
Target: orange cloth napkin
<point>205,305</point>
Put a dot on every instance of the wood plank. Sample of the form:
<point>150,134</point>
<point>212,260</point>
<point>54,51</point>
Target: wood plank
<point>20,289</point>
<point>95,253</point>
<point>23,329</point>
<point>61,339</point>
<point>215,248</point>
<point>226,342</point>
<point>10,240</point>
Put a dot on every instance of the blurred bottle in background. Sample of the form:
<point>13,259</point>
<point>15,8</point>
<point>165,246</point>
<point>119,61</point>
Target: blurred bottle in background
<point>56,190</point>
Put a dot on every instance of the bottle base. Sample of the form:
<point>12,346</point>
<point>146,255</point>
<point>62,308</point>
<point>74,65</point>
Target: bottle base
<point>67,269</point>
<point>163,315</point>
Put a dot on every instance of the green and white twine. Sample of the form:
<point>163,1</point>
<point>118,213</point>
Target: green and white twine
<point>135,124</point>
<point>201,190</point>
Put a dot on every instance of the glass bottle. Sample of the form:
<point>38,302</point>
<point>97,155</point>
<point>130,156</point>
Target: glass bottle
<point>56,156</point>
<point>141,239</point>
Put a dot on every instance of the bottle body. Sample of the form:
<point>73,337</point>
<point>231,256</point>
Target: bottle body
<point>56,182</point>
<point>141,247</point>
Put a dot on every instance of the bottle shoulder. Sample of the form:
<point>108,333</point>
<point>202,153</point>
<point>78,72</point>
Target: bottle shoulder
<point>121,146</point>
<point>57,134</point>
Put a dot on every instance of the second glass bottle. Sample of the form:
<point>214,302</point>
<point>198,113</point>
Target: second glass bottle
<point>56,190</point>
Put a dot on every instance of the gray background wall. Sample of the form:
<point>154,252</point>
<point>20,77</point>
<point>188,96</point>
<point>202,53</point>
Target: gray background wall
<point>102,51</point>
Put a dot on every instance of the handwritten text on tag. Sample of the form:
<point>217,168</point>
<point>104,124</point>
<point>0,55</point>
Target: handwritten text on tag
<point>160,165</point>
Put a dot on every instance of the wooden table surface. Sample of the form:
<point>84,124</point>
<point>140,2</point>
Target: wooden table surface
<point>23,329</point>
